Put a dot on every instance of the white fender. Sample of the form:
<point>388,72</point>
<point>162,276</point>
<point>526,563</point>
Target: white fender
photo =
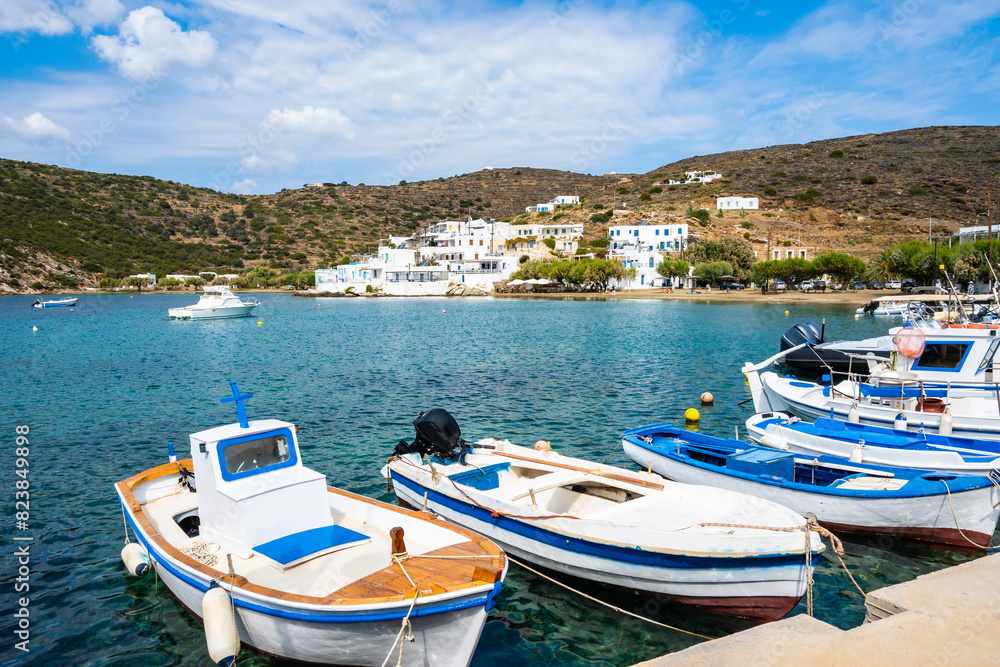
<point>857,454</point>
<point>852,415</point>
<point>947,421</point>
<point>775,441</point>
<point>220,627</point>
<point>900,422</point>
<point>136,559</point>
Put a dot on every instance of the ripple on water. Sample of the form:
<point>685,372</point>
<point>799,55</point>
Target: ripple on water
<point>105,385</point>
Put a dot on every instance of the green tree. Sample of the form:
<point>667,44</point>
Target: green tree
<point>672,268</point>
<point>738,252</point>
<point>840,265</point>
<point>194,282</point>
<point>711,272</point>
<point>170,283</point>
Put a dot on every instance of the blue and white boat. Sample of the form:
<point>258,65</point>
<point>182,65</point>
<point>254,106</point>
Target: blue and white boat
<point>943,381</point>
<point>723,551</point>
<point>55,303</point>
<point>943,508</point>
<point>262,549</point>
<point>863,443</point>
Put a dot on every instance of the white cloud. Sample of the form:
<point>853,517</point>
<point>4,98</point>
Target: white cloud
<point>90,13</point>
<point>261,161</point>
<point>245,187</point>
<point>317,121</point>
<point>37,127</point>
<point>147,41</point>
<point>39,16</point>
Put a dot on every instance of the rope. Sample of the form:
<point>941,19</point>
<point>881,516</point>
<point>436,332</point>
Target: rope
<point>838,548</point>
<point>406,625</point>
<point>125,524</point>
<point>617,445</point>
<point>200,551</point>
<point>955,516</point>
<point>609,606</point>
<point>809,578</point>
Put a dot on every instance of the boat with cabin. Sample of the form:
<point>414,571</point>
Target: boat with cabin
<point>55,303</point>
<point>255,543</point>
<point>217,302</point>
<point>939,507</point>
<point>944,380</point>
<point>719,550</point>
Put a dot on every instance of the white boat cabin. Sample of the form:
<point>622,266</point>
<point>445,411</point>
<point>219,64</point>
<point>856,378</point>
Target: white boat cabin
<point>256,498</point>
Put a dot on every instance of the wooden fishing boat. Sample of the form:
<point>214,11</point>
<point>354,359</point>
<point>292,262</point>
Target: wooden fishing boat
<point>722,551</point>
<point>261,548</point>
<point>943,508</point>
<point>874,444</point>
<point>55,303</point>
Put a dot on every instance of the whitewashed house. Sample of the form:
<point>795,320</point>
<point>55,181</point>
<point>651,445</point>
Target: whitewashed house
<point>567,200</point>
<point>644,246</point>
<point>737,203</point>
<point>696,177</point>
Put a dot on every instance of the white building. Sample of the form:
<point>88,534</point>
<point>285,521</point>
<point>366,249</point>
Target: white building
<point>697,177</point>
<point>567,200</point>
<point>644,246</point>
<point>449,252</point>
<point>737,203</point>
<point>150,278</point>
<point>966,234</point>
<point>561,200</point>
<point>661,237</point>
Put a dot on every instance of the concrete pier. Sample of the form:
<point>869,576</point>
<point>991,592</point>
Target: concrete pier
<point>948,617</point>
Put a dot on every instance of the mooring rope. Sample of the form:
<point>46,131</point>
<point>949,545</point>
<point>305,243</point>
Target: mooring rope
<point>406,625</point>
<point>610,606</point>
<point>955,517</point>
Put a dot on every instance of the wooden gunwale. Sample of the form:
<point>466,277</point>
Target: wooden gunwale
<point>383,586</point>
<point>590,471</point>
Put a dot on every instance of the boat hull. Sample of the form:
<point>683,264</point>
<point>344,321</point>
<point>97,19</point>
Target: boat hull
<point>758,587</point>
<point>807,401</point>
<point>445,631</point>
<point>925,518</point>
<point>56,304</point>
<point>210,313</point>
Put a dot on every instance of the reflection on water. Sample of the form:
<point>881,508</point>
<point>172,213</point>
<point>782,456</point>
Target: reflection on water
<point>105,385</point>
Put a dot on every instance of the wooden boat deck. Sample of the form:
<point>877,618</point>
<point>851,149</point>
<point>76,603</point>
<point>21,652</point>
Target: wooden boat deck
<point>364,574</point>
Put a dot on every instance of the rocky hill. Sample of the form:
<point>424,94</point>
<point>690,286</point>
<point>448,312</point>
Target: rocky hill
<point>63,228</point>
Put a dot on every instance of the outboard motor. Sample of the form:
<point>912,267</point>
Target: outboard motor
<point>438,435</point>
<point>871,306</point>
<point>803,333</point>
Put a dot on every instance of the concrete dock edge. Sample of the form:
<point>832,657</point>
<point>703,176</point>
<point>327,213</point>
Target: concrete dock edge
<point>947,617</point>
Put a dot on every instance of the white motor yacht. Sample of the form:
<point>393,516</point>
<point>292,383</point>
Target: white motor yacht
<point>217,302</point>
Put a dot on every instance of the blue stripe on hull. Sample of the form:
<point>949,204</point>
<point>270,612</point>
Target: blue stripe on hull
<point>631,555</point>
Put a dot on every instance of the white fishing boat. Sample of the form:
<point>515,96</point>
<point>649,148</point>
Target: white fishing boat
<point>844,495</point>
<point>875,444</point>
<point>55,303</point>
<point>939,380</point>
<point>217,302</point>
<point>884,307</point>
<point>723,551</point>
<point>272,558</point>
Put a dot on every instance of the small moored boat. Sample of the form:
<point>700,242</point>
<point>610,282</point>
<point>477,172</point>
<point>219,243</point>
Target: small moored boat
<point>723,551</point>
<point>943,508</point>
<point>264,551</point>
<point>55,303</point>
<point>218,302</point>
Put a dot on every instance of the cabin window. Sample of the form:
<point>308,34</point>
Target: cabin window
<point>255,454</point>
<point>943,356</point>
<point>990,353</point>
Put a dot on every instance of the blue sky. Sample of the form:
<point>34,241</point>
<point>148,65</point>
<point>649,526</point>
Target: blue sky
<point>254,95</point>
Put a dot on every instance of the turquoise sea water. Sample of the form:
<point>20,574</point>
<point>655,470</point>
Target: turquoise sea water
<point>104,386</point>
